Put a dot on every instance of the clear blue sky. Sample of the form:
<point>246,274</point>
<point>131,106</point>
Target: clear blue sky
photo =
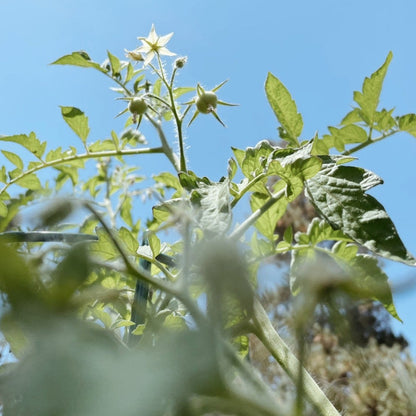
<point>321,50</point>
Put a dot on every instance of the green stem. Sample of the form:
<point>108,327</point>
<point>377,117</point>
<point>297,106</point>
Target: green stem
<point>282,354</point>
<point>242,228</point>
<point>88,155</point>
<point>178,120</point>
<point>368,142</point>
<point>166,149</point>
<point>246,189</point>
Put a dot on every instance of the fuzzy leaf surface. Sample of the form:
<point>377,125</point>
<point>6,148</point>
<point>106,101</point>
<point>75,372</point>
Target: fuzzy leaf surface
<point>338,192</point>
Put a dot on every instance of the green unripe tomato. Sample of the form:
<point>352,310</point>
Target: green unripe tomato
<point>206,102</point>
<point>137,106</point>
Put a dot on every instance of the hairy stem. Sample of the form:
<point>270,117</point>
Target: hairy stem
<point>282,354</point>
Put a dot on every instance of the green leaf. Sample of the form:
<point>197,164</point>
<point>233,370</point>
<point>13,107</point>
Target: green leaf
<point>125,211</point>
<point>239,155</point>
<point>154,243</point>
<point>338,192</point>
<point>170,181</point>
<point>115,65</point>
<point>178,92</point>
<point>352,117</point>
<point>255,159</point>
<point>215,214</point>
<point>319,231</point>
<point>102,146</point>
<point>80,58</point>
<point>285,109</point>
<point>104,247</point>
<point>77,120</point>
<point>318,271</point>
<point>129,240</point>
<point>407,123</point>
<point>372,282</point>
<point>129,73</point>
<point>3,209</point>
<point>369,98</point>
<point>31,143</point>
<point>30,181</point>
<point>15,159</point>
<point>347,135</point>
<point>157,86</point>
<point>266,224</point>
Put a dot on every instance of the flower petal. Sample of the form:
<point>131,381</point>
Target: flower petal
<point>149,58</point>
<point>165,51</point>
<point>163,40</point>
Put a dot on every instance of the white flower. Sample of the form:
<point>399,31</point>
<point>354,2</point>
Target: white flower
<point>154,44</point>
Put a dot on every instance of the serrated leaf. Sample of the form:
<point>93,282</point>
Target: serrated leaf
<point>3,174</point>
<point>352,117</point>
<point>104,247</point>
<point>14,158</point>
<point>77,120</point>
<point>266,224</point>
<point>80,58</point>
<point>154,243</point>
<point>232,168</point>
<point>102,145</point>
<point>318,231</point>
<point>239,155</point>
<point>347,135</point>
<point>129,240</point>
<point>129,73</point>
<point>3,209</point>
<point>115,64</point>
<point>170,181</point>
<point>125,211</point>
<point>54,154</point>
<point>215,215</point>
<point>284,108</point>
<point>369,98</point>
<point>115,139</point>
<point>255,158</point>
<point>157,86</point>
<point>178,92</point>
<point>407,123</point>
<point>338,192</point>
<point>31,143</point>
<point>30,181</point>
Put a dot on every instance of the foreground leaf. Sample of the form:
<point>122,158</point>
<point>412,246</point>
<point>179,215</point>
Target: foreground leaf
<point>338,192</point>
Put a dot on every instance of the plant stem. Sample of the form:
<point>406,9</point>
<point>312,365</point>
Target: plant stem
<point>242,228</point>
<point>82,156</point>
<point>368,142</point>
<point>282,354</point>
<point>166,149</point>
<point>178,120</point>
<point>246,189</point>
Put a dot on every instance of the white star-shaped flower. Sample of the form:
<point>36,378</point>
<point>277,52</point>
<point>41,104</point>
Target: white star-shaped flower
<point>154,44</point>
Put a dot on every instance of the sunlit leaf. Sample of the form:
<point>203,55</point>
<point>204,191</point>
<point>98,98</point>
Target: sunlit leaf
<point>285,109</point>
<point>338,192</point>
<point>77,120</point>
<point>369,98</point>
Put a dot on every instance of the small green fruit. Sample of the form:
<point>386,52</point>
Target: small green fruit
<point>138,106</point>
<point>206,102</point>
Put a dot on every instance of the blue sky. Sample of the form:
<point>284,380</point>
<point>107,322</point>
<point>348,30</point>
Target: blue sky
<point>320,50</point>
